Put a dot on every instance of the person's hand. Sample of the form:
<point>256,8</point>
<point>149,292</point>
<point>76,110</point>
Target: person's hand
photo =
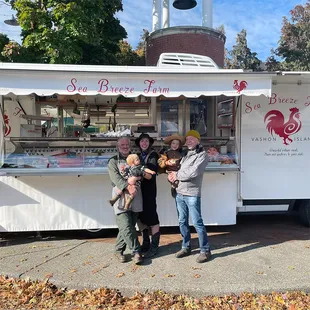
<point>172,176</point>
<point>146,170</point>
<point>147,176</point>
<point>133,180</point>
<point>131,189</point>
<point>171,162</point>
<point>122,168</point>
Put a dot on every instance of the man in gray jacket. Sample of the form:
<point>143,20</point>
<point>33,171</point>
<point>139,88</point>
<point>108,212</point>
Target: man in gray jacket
<point>188,198</point>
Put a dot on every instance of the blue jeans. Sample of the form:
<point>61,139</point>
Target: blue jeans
<point>191,205</point>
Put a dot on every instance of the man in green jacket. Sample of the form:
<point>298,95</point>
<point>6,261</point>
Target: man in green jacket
<point>125,219</point>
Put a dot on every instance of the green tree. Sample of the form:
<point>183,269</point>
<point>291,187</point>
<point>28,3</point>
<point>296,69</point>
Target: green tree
<point>141,47</point>
<point>4,40</point>
<point>126,56</point>
<point>221,28</point>
<point>79,32</point>
<point>273,63</point>
<point>14,52</point>
<point>294,44</point>
<point>241,57</point>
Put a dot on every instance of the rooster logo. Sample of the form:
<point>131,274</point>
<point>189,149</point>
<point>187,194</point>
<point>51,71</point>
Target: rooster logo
<point>7,126</point>
<point>275,124</point>
<point>240,86</point>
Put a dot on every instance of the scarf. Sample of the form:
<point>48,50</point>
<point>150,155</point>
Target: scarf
<point>144,155</point>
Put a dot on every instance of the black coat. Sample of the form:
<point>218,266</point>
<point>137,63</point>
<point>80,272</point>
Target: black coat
<point>149,215</point>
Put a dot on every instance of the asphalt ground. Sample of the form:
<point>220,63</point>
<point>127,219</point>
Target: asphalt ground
<point>260,254</point>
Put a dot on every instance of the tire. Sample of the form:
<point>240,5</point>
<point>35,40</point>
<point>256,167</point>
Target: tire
<point>93,233</point>
<point>304,212</point>
<point>94,230</point>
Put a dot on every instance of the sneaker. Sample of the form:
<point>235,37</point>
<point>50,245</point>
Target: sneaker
<point>203,257</point>
<point>183,253</point>
<point>121,257</point>
<point>137,258</point>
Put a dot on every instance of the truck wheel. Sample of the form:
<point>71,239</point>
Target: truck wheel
<point>304,212</point>
<point>94,230</point>
<point>94,233</point>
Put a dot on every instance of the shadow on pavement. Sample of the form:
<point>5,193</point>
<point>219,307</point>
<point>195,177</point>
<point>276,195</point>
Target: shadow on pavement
<point>252,231</point>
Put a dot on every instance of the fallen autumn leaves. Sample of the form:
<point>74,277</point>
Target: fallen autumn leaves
<point>25,294</point>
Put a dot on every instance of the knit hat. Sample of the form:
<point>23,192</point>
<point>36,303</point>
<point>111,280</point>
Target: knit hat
<point>193,133</point>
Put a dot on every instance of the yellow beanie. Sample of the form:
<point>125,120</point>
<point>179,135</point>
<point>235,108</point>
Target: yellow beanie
<point>193,133</point>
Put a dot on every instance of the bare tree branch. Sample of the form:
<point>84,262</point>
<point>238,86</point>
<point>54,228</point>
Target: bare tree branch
<point>4,3</point>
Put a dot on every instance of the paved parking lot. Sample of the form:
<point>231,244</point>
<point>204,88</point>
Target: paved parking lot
<point>259,254</point>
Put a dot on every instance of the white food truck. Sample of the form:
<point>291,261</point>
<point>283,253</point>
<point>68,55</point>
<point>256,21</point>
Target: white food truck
<point>61,122</point>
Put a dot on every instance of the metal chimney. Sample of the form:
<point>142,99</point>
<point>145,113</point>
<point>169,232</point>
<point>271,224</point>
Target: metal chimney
<point>161,13</point>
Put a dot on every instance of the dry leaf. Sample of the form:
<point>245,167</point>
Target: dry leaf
<point>134,268</point>
<point>197,276</point>
<point>120,275</point>
<point>74,270</point>
<point>99,268</point>
<point>49,275</point>
<point>169,275</point>
<point>196,268</point>
<point>86,263</point>
<point>27,294</point>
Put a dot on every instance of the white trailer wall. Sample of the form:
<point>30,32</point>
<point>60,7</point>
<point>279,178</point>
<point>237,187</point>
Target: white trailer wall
<point>275,161</point>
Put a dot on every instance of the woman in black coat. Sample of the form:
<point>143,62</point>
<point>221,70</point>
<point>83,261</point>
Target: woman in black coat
<point>149,216</point>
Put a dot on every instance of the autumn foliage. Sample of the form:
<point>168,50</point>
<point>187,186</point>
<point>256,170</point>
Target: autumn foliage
<point>26,294</point>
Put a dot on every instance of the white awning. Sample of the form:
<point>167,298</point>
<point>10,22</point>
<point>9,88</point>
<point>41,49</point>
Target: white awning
<point>46,80</point>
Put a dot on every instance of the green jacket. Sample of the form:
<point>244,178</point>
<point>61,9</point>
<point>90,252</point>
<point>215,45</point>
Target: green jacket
<point>115,177</point>
<point>121,183</point>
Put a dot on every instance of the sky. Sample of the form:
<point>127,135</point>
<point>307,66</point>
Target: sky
<point>262,19</point>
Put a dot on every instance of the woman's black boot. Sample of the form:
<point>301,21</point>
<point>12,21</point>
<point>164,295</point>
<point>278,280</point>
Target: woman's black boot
<point>146,241</point>
<point>154,246</point>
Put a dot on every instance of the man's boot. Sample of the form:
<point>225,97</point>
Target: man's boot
<point>146,241</point>
<point>154,246</point>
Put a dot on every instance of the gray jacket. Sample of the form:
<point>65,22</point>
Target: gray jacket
<point>191,172</point>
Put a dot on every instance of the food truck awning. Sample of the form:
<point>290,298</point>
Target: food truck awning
<point>46,80</point>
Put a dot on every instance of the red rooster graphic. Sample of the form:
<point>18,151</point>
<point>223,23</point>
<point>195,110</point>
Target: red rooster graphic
<point>241,86</point>
<point>274,120</point>
<point>7,126</point>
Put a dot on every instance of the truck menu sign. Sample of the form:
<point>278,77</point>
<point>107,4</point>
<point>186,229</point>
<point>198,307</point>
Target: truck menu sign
<point>275,143</point>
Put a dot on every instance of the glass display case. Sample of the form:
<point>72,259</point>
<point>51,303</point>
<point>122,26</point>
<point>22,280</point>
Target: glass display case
<point>90,155</point>
<point>222,153</point>
<point>58,155</point>
<point>169,117</point>
<point>198,116</point>
<point>225,112</point>
<point>58,143</point>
